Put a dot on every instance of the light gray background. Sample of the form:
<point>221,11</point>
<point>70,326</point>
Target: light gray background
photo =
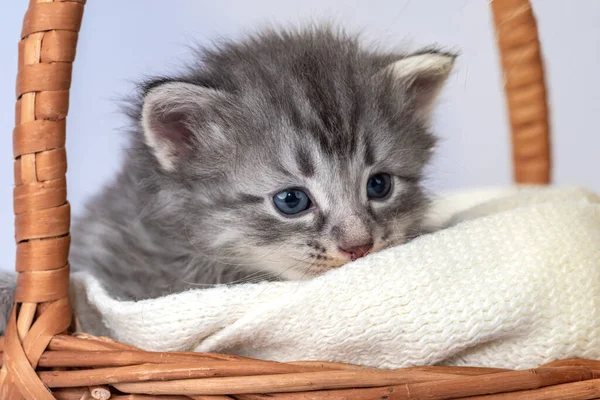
<point>123,40</point>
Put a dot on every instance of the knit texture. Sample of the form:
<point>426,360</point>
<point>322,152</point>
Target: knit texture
<point>512,282</point>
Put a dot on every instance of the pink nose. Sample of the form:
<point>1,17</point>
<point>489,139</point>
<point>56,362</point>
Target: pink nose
<point>356,252</point>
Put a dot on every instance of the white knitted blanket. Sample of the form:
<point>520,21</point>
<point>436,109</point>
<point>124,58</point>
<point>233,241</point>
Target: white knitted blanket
<point>514,282</point>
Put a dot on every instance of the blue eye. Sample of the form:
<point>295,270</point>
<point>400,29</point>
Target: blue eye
<point>291,201</point>
<point>379,186</point>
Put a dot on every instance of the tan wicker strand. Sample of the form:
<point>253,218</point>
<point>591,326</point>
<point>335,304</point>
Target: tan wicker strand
<point>71,394</point>
<point>168,397</point>
<point>525,88</point>
<point>151,372</point>
<point>144,397</point>
<point>462,386</point>
<point>575,362</point>
<point>45,16</point>
<point>41,255</point>
<point>82,359</point>
<point>19,378</point>
<point>436,390</point>
<point>210,397</point>
<point>570,391</point>
<point>42,213</point>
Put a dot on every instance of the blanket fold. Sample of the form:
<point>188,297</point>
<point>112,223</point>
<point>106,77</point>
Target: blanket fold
<point>512,282</point>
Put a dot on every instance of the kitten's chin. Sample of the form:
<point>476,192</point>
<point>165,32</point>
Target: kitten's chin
<point>298,273</point>
<point>309,273</point>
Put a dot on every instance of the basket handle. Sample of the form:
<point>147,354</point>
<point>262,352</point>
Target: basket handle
<point>526,98</point>
<point>42,213</point>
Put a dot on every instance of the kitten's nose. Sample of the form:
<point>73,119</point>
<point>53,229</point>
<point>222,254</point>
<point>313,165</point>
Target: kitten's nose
<point>356,252</point>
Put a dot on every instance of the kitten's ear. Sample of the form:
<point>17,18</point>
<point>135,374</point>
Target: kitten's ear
<point>422,75</point>
<point>174,118</point>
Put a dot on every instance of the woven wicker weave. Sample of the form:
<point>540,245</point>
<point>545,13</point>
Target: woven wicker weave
<point>42,361</point>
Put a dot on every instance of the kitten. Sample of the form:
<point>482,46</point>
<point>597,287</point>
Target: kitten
<point>281,156</point>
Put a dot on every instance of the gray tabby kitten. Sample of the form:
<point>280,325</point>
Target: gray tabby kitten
<point>278,157</point>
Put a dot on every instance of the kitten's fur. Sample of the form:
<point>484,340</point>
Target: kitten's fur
<point>210,147</point>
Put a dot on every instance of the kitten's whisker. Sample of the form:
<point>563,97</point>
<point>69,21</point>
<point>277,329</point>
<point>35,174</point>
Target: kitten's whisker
<point>298,261</point>
<point>223,259</point>
<point>256,276</point>
<point>400,237</point>
<point>305,272</point>
<point>253,279</point>
<point>284,271</point>
<point>225,228</point>
<point>265,256</point>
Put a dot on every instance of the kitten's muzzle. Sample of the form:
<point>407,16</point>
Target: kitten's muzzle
<point>353,236</point>
<point>358,251</point>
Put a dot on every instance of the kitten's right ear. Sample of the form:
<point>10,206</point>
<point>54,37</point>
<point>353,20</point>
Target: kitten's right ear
<point>174,118</point>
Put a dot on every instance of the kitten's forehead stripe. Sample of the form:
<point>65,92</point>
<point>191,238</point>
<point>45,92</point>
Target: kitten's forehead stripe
<point>304,162</point>
<point>280,169</point>
<point>295,115</point>
<point>369,153</point>
<point>357,106</point>
<point>334,104</point>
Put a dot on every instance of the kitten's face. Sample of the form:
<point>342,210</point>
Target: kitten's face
<point>298,209</point>
<point>297,163</point>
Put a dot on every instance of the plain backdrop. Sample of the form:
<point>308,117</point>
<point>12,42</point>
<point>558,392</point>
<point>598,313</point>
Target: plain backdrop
<point>123,41</point>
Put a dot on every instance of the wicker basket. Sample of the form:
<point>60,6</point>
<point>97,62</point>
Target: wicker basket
<point>42,361</point>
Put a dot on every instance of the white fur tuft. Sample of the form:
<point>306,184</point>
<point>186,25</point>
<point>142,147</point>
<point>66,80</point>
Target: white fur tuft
<point>429,63</point>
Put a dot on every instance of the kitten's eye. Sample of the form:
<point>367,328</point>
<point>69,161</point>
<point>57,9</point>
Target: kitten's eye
<point>379,186</point>
<point>291,201</point>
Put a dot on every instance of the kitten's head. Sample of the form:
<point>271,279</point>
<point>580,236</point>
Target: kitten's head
<point>294,152</point>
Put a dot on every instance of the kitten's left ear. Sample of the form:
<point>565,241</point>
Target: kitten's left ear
<point>422,76</point>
